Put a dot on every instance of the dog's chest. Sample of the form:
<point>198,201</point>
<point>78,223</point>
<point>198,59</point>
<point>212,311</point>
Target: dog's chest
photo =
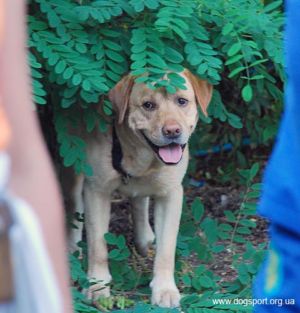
<point>143,186</point>
<point>156,183</point>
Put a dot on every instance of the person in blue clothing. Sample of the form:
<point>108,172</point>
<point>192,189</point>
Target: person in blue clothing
<point>279,278</point>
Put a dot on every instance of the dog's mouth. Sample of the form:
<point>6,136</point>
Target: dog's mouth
<point>170,154</point>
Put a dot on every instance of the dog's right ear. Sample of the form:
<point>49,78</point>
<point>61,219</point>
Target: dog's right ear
<point>119,96</point>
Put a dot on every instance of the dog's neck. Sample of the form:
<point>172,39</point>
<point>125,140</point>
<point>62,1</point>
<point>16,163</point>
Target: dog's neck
<point>138,158</point>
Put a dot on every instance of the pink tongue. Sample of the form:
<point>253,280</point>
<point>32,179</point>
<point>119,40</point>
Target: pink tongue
<point>171,153</point>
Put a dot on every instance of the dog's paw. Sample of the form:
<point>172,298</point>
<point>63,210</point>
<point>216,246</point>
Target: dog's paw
<point>144,242</point>
<point>166,296</point>
<point>97,291</point>
<point>100,289</point>
<point>144,248</point>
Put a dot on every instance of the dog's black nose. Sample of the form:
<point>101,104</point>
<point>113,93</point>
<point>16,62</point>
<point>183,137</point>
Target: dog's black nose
<point>171,129</point>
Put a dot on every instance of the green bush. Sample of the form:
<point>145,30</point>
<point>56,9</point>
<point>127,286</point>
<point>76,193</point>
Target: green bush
<point>81,49</point>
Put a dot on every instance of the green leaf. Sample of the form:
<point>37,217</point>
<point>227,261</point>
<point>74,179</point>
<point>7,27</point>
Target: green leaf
<point>210,228</point>
<point>179,32</point>
<point>39,92</point>
<point>70,157</point>
<point>115,67</point>
<point>117,57</point>
<point>186,279</point>
<point>202,68</point>
<point>227,29</point>
<point>121,242</point>
<point>272,6</point>
<point>257,77</point>
<point>114,253</point>
<point>60,66</point>
<point>138,5</point>
<point>234,120</point>
<point>138,36</point>
<point>39,100</point>
<point>107,108</point>
<point>197,209</point>
<point>86,85</point>
<point>254,170</point>
<point>239,239</point>
<point>234,59</point>
<point>176,78</point>
<point>156,61</point>
<point>171,89</point>
<point>236,71</point>
<point>257,186</point>
<point>243,230</point>
<point>53,18</point>
<point>81,47</point>
<point>230,216</point>
<point>234,49</point>
<point>110,238</point>
<point>66,103</point>
<point>247,93</point>
<point>258,62</point>
<point>173,55</point>
<point>227,227</point>
<point>248,223</point>
<point>249,205</point>
<point>138,64</point>
<point>253,194</point>
<point>76,79</point>
<point>151,4</point>
<point>83,13</point>
<point>205,281</point>
<point>68,73</point>
<point>112,45</point>
<point>53,59</point>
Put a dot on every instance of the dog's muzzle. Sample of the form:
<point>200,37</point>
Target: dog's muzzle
<point>170,154</point>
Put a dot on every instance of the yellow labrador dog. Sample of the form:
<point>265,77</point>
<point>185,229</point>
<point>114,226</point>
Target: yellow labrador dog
<point>144,155</point>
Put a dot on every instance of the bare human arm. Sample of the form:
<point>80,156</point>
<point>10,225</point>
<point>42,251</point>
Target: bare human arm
<point>32,176</point>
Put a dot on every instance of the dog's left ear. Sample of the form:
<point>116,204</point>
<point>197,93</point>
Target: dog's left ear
<point>202,89</point>
<point>119,96</point>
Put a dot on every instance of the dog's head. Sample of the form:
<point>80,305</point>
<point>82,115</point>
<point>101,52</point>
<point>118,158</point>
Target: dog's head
<point>162,120</point>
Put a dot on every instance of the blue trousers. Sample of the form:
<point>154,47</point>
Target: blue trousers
<point>278,281</point>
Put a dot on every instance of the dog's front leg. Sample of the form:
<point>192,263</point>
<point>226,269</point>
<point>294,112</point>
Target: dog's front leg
<point>97,214</point>
<point>167,218</point>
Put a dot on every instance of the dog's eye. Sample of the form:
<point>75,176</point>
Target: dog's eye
<point>149,106</point>
<point>182,102</point>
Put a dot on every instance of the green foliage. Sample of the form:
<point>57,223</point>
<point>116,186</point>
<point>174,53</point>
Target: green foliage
<point>206,236</point>
<point>125,276</point>
<point>80,49</point>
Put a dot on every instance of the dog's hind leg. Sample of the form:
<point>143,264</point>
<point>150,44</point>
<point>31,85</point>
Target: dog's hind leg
<point>76,231</point>
<point>143,234</point>
<point>97,215</point>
